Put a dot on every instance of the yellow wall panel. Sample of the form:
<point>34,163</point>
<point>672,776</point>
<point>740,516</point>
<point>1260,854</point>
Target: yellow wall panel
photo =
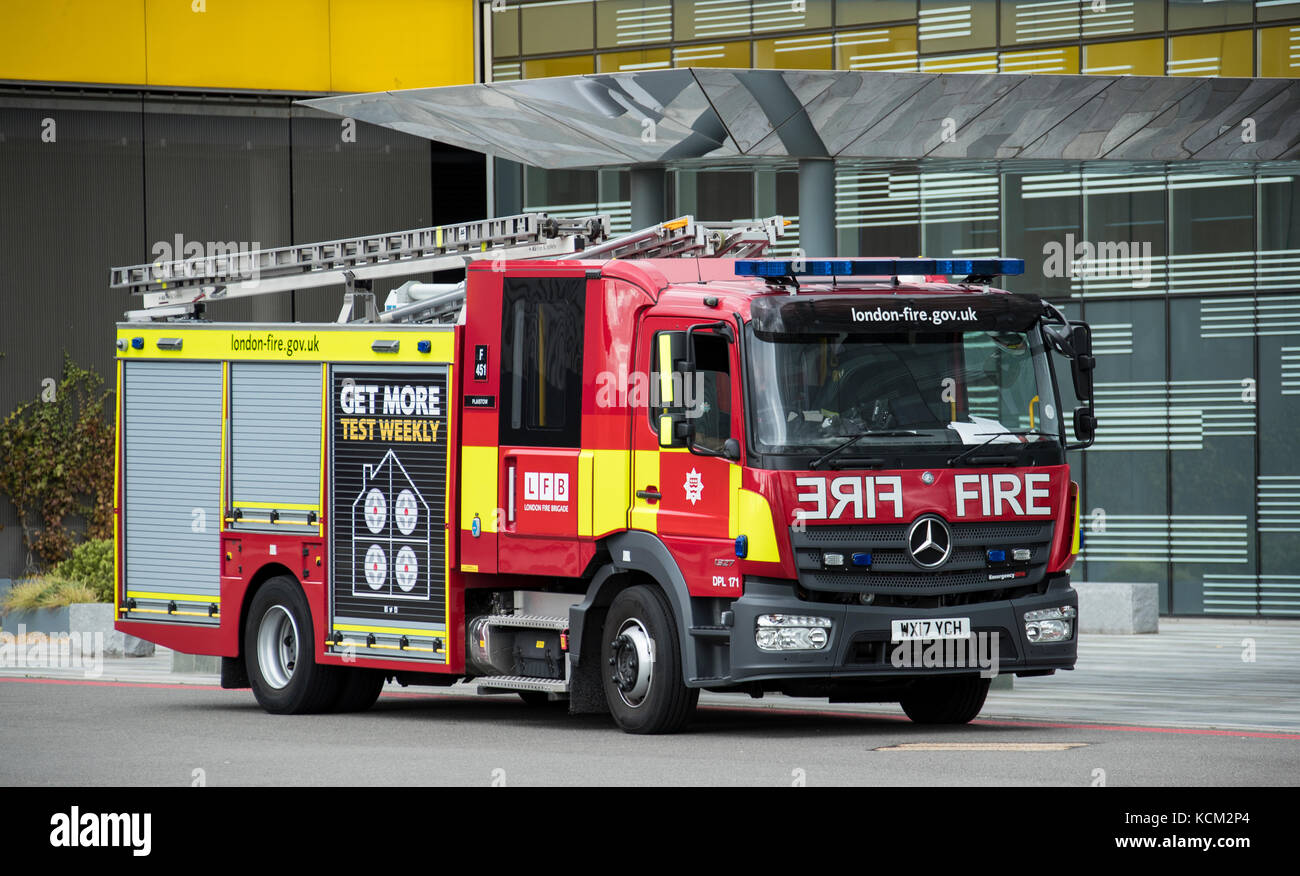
<point>384,45</point>
<point>73,40</point>
<point>282,45</point>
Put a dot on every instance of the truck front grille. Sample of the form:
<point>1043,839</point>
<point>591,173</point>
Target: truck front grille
<point>892,572</point>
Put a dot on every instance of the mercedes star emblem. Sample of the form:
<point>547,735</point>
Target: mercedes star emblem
<point>929,541</point>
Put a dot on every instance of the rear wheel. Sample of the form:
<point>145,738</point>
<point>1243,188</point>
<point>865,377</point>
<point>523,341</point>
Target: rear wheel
<point>278,638</point>
<point>946,700</point>
<point>642,664</point>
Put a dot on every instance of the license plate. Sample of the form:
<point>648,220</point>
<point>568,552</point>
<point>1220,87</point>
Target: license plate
<point>934,628</point>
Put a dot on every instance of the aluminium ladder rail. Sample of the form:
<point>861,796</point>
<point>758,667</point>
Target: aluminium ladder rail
<point>172,289</point>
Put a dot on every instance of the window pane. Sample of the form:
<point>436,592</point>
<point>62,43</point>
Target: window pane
<point>1029,21</point>
<point>574,65</point>
<point>783,15</point>
<point>848,12</point>
<point>1123,214</point>
<point>1117,17</point>
<point>505,30</point>
<point>888,48</point>
<point>1279,52</point>
<point>722,195</point>
<point>978,62</point>
<point>1064,60</point>
<point>710,19</point>
<point>959,215</point>
<point>1274,10</point>
<point>1212,54</point>
<point>713,425</point>
<point>1040,213</point>
<point>1212,393</point>
<point>1132,58</point>
<point>1279,233</point>
<point>507,71</point>
<point>556,26</point>
<point>1125,508</point>
<point>877,213</point>
<point>794,53</point>
<point>947,26</point>
<point>717,55</point>
<point>1207,13</point>
<point>631,22</point>
<point>645,59</point>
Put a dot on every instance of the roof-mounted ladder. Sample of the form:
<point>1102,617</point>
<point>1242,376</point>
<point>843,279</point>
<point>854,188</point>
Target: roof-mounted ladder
<point>172,290</point>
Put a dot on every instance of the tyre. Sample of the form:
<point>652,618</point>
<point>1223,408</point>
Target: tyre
<point>642,664</point>
<point>358,689</point>
<point>278,639</point>
<point>946,700</point>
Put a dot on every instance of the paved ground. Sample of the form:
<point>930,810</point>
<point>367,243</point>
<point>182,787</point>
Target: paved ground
<point>1179,708</point>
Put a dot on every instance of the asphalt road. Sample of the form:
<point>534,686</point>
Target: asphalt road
<point>78,732</point>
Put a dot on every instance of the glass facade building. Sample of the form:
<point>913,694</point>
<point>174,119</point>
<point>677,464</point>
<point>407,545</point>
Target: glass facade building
<point>1189,272</point>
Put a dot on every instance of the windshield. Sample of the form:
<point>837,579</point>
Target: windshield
<point>950,389</point>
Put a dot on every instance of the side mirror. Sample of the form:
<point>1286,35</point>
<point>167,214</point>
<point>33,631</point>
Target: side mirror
<point>670,350</point>
<point>1083,363</point>
<point>1085,426</point>
<point>731,450</point>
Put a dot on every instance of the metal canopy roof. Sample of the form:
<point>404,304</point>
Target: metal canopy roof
<point>739,116</point>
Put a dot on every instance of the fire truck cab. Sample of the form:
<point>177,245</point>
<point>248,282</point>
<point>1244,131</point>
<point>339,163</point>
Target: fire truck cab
<point>614,483</point>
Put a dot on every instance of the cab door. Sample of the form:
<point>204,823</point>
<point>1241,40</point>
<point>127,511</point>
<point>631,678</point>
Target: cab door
<point>684,485</point>
<point>540,425</point>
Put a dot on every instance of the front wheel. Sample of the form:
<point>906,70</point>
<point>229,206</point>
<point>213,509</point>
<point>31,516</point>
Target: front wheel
<point>946,700</point>
<point>642,664</point>
<point>278,638</point>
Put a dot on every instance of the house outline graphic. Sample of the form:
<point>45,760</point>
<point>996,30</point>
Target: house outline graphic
<point>391,479</point>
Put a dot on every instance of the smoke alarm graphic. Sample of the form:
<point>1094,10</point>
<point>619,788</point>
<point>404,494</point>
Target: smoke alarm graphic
<point>392,541</point>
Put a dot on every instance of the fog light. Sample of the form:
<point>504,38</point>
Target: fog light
<point>786,632</point>
<point>832,559</point>
<point>1022,554</point>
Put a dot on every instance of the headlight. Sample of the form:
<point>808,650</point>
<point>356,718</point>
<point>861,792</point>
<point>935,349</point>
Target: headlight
<point>1046,625</point>
<point>790,632</point>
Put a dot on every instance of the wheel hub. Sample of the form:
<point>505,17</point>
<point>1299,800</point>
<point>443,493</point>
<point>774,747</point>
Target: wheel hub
<point>277,646</point>
<point>632,662</point>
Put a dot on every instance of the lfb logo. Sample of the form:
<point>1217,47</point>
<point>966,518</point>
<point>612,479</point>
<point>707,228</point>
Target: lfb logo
<point>546,486</point>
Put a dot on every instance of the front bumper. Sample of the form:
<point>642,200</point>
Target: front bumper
<point>859,644</point>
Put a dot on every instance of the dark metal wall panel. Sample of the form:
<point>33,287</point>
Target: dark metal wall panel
<point>70,206</point>
<point>350,180</point>
<point>217,176</point>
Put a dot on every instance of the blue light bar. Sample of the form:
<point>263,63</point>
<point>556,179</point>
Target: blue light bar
<point>878,267</point>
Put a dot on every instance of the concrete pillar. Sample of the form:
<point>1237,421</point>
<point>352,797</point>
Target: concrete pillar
<point>817,207</point>
<point>649,193</point>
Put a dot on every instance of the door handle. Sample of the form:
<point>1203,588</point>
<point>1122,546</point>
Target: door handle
<point>650,494</point>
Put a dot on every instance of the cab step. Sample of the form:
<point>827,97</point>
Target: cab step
<point>491,684</point>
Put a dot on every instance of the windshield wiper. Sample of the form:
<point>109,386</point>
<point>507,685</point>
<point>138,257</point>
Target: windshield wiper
<point>881,433</point>
<point>996,435</point>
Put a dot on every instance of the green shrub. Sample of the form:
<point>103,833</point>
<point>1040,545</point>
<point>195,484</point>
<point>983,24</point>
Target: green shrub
<point>91,563</point>
<point>57,470</point>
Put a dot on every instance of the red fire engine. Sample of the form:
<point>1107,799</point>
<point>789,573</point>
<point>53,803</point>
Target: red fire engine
<point>606,472</point>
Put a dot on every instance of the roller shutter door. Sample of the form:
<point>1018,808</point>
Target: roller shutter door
<point>172,475</point>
